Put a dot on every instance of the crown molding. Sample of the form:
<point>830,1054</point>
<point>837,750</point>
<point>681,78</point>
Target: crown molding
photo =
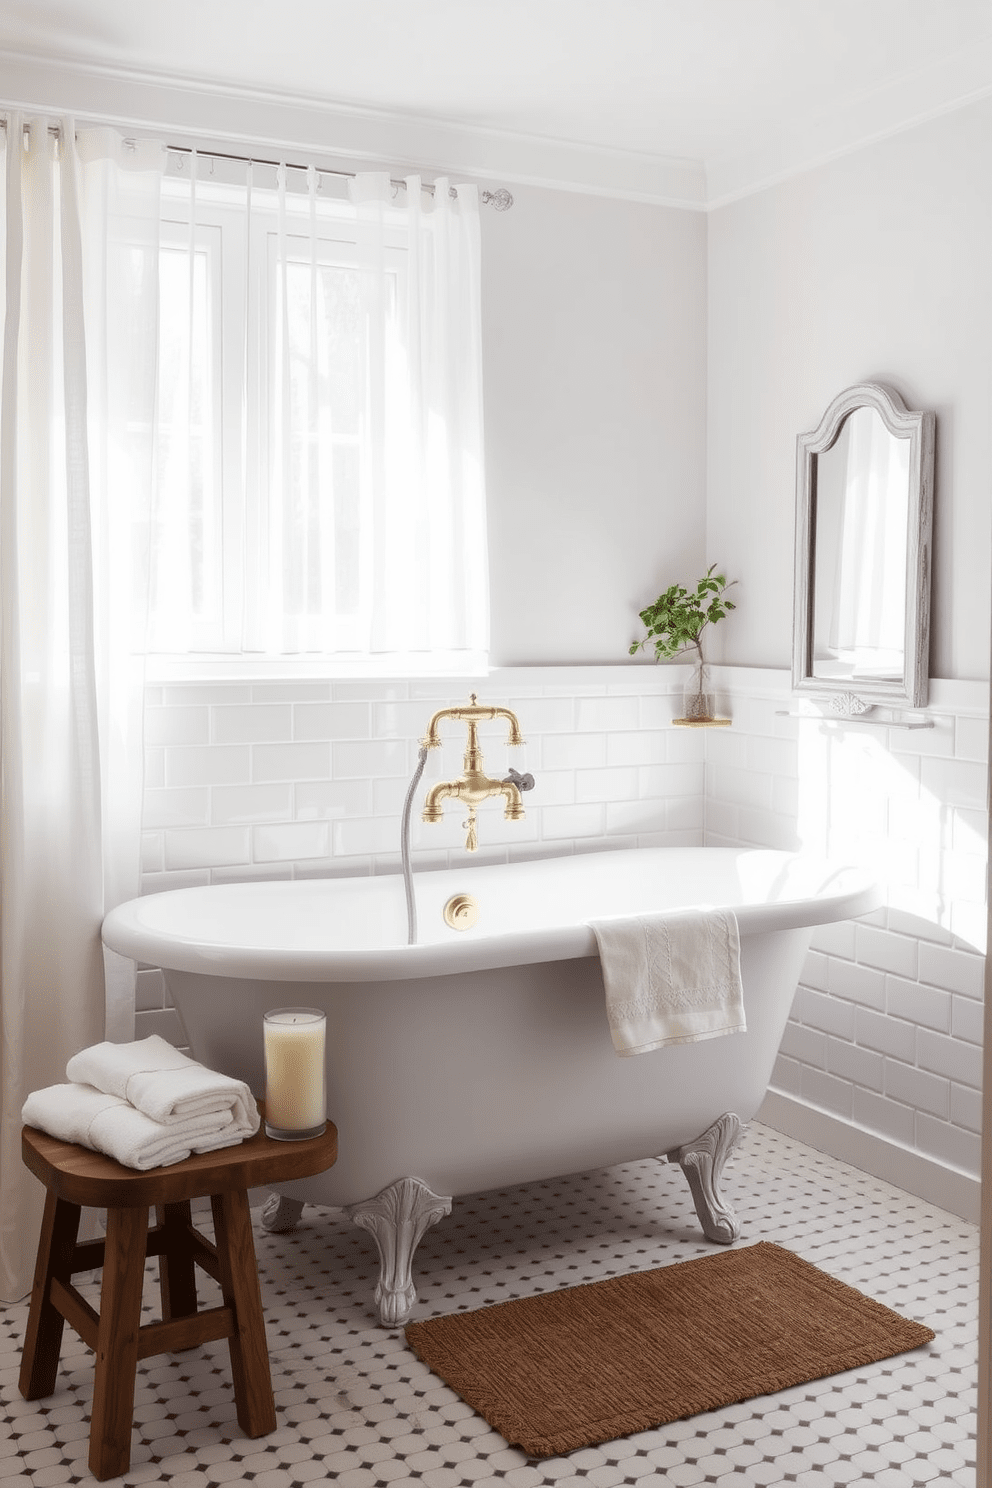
<point>240,116</point>
<point>226,114</point>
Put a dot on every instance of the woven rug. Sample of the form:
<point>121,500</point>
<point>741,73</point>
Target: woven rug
<point>589,1364</point>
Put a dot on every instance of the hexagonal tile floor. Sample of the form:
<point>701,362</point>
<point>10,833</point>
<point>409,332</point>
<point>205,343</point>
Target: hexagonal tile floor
<point>357,1408</point>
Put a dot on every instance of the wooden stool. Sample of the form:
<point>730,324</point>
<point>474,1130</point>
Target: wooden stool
<point>76,1177</point>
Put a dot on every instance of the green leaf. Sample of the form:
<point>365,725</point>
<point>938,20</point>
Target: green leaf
<point>677,618</point>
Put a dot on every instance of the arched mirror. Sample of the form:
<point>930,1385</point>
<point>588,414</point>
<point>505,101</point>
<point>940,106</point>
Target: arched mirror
<point>864,504</point>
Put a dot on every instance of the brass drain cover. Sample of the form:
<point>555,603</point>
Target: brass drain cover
<point>461,911</point>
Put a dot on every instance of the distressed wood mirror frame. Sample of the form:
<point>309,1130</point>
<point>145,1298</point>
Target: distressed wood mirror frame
<point>854,693</point>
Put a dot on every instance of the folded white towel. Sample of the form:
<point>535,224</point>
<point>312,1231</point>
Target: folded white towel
<point>671,978</point>
<point>163,1083</point>
<point>108,1124</point>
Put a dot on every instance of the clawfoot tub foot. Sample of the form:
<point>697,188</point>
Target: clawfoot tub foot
<point>397,1219</point>
<point>702,1162</point>
<point>280,1215</point>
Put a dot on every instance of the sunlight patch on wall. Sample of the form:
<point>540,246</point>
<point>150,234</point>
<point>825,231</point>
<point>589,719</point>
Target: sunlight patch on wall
<point>915,820</point>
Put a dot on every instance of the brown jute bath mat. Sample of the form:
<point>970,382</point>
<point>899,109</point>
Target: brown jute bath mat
<point>589,1364</point>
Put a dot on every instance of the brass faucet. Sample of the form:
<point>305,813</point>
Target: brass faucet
<point>474,786</point>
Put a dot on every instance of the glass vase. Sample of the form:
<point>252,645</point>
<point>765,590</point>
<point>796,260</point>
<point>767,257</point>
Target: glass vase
<point>697,699</point>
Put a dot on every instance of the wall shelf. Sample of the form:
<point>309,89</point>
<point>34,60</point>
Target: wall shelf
<point>861,722</point>
<point>702,722</point>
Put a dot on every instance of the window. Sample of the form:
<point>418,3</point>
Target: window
<point>318,480</point>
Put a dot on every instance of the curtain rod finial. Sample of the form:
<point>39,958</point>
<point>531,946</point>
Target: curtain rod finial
<point>501,200</point>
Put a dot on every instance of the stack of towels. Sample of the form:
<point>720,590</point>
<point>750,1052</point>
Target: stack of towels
<point>145,1104</point>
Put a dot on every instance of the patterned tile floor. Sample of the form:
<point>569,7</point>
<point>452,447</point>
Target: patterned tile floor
<point>357,1408</point>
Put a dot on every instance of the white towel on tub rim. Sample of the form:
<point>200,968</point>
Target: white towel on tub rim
<point>671,978</point>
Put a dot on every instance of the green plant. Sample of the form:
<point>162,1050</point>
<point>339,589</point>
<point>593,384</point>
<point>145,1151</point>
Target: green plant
<point>678,617</point>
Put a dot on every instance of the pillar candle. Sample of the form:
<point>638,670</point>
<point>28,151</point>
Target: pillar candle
<point>295,1095</point>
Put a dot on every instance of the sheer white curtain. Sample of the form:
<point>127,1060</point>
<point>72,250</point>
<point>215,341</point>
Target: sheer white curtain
<point>68,814</point>
<point>429,570</point>
<point>121,228</point>
<point>350,489</point>
<point>346,424</point>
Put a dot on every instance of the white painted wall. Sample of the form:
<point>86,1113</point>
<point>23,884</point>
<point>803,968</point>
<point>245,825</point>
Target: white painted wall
<point>595,406</point>
<point>873,267</point>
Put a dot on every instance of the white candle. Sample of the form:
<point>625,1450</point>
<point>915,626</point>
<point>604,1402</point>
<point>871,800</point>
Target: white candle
<point>295,1094</point>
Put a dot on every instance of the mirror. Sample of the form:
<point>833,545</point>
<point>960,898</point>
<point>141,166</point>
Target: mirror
<point>864,503</point>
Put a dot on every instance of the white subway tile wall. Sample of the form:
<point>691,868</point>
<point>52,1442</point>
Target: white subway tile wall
<point>302,779</point>
<point>313,775</point>
<point>886,1027</point>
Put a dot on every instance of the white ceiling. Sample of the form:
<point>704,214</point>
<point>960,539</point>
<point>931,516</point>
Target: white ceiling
<point>733,86</point>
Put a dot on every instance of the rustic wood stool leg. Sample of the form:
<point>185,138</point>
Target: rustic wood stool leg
<point>43,1335</point>
<point>242,1293</point>
<point>117,1342</point>
<point>177,1273</point>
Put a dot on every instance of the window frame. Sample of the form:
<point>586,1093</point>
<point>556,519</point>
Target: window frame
<point>240,273</point>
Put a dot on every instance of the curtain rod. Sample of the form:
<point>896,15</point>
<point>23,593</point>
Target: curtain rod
<point>501,200</point>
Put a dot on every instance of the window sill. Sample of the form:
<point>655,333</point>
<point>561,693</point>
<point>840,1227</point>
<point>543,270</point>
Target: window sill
<point>245,668</point>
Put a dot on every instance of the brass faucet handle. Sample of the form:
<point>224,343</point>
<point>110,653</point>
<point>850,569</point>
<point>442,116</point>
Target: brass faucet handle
<point>472,713</point>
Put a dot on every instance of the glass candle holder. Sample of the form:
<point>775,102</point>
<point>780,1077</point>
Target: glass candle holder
<point>295,1073</point>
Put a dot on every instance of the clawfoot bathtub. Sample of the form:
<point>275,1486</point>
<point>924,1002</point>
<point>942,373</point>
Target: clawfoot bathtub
<point>481,1058</point>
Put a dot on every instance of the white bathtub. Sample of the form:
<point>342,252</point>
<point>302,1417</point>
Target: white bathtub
<point>483,1057</point>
